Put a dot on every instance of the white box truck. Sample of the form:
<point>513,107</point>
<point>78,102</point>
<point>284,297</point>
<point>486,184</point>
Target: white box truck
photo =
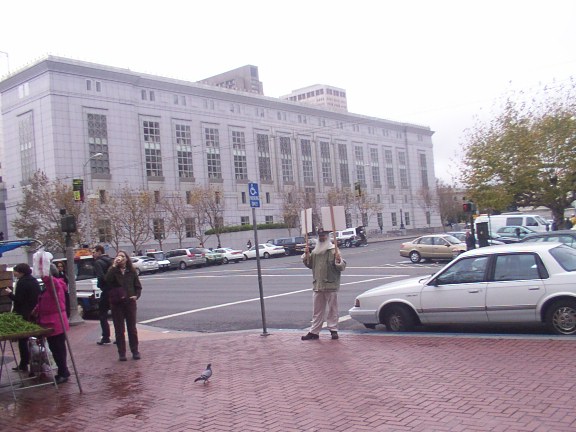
<point>532,221</point>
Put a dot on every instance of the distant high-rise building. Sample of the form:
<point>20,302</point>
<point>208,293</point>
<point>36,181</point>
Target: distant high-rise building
<point>330,97</point>
<point>244,79</point>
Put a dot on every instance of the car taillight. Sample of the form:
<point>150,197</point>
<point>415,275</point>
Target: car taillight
<point>191,255</point>
<point>236,253</point>
<point>357,303</point>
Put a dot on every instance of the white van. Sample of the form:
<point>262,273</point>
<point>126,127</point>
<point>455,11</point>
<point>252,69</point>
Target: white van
<point>532,221</point>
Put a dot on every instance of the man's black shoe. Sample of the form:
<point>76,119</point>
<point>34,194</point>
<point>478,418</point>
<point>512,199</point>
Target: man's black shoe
<point>60,379</point>
<point>310,336</point>
<point>136,356</point>
<point>334,334</point>
<point>104,341</point>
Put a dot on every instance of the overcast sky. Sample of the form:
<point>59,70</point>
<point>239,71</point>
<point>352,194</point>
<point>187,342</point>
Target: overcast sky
<point>431,62</point>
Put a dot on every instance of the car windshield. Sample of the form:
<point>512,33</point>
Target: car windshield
<point>565,256</point>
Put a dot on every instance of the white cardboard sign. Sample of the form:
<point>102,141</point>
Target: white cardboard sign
<point>339,218</point>
<point>306,221</point>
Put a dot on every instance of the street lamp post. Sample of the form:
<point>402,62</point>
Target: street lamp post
<point>86,199</point>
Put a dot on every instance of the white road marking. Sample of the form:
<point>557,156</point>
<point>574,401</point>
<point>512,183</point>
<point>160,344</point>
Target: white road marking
<point>253,300</point>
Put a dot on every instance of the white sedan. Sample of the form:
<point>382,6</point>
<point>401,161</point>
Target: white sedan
<point>144,264</point>
<point>512,283</point>
<point>230,255</point>
<point>265,250</point>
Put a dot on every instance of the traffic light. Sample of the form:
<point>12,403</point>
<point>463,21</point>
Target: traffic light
<point>467,207</point>
<point>68,223</point>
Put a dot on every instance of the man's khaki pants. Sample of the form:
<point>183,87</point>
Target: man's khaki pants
<point>323,300</point>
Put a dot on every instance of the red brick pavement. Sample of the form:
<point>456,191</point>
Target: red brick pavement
<point>278,383</point>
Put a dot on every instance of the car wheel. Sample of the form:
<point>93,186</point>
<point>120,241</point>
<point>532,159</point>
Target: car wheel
<point>182,265</point>
<point>266,255</point>
<point>398,319</point>
<point>245,257</point>
<point>415,257</point>
<point>225,260</point>
<point>561,317</point>
<point>138,271</point>
<point>286,252</point>
<point>348,243</point>
<point>370,326</point>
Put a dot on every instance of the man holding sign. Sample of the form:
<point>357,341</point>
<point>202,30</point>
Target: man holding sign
<point>326,264</point>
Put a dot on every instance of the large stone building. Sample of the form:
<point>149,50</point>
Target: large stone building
<point>166,135</point>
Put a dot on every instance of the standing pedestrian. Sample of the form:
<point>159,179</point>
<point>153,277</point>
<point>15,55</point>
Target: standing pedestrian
<point>326,265</point>
<point>470,242</point>
<point>102,263</point>
<point>125,289</point>
<point>248,244</point>
<point>52,304</point>
<point>25,299</point>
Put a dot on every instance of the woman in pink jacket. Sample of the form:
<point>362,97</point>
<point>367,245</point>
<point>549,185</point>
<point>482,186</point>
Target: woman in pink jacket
<point>48,317</point>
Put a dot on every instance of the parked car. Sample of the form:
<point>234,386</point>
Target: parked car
<point>163,263</point>
<point>144,264</point>
<point>291,245</point>
<point>513,283</point>
<point>432,246</point>
<point>230,255</point>
<point>184,258</point>
<point>515,231</point>
<point>568,237</point>
<point>266,250</point>
<point>212,257</point>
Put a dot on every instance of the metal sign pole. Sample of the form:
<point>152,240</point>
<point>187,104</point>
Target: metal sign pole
<point>260,287</point>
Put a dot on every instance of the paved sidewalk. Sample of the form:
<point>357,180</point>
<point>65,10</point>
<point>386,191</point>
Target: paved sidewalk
<point>362,382</point>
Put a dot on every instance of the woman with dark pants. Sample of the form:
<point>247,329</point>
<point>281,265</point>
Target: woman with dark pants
<point>48,314</point>
<point>25,299</point>
<point>125,289</point>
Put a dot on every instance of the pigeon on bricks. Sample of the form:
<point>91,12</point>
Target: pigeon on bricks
<point>205,376</point>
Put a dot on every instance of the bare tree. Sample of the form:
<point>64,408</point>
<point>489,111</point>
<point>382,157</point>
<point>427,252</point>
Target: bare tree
<point>177,212</point>
<point>39,211</point>
<point>214,210</point>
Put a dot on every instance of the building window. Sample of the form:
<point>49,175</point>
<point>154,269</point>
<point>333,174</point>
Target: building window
<point>267,197</point>
<point>326,162</point>
<point>212,142</point>
<point>89,85</point>
<point>98,143</point>
<point>239,149</point>
<point>380,219</point>
<point>407,218</point>
<point>27,146</point>
<point>375,166</point>
<point>188,197</point>
<point>152,96</point>
<point>359,158</point>
<point>394,219</point>
<point>428,219</point>
<point>98,86</point>
<point>403,178</point>
<point>158,229</point>
<point>343,158</point>
<point>184,150</point>
<point>190,227</point>
<point>264,163</point>
<point>302,119</point>
<point>143,94</point>
<point>244,220</point>
<point>104,231</point>
<point>102,195</point>
<point>356,127</point>
<point>208,104</point>
<point>151,133</point>
<point>243,197</point>
<point>156,197</point>
<point>423,170</point>
<point>286,159</point>
<point>280,115</point>
<point>269,219</point>
<point>392,199</point>
<point>388,158</point>
<point>307,168</point>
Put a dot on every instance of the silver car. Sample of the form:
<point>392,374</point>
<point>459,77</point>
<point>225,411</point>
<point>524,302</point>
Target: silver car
<point>144,264</point>
<point>184,258</point>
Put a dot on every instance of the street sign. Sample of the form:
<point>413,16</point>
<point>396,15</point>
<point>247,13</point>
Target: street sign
<point>254,195</point>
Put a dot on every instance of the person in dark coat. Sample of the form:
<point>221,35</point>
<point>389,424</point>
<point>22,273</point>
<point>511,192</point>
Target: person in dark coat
<point>124,290</point>
<point>102,263</point>
<point>25,299</point>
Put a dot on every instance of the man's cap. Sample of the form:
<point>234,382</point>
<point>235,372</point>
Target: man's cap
<point>322,231</point>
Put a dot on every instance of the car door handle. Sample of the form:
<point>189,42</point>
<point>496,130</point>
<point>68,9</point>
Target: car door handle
<point>533,288</point>
<point>474,291</point>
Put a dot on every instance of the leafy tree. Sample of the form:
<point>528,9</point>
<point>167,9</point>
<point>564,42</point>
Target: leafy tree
<point>449,204</point>
<point>524,156</point>
<point>39,212</point>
